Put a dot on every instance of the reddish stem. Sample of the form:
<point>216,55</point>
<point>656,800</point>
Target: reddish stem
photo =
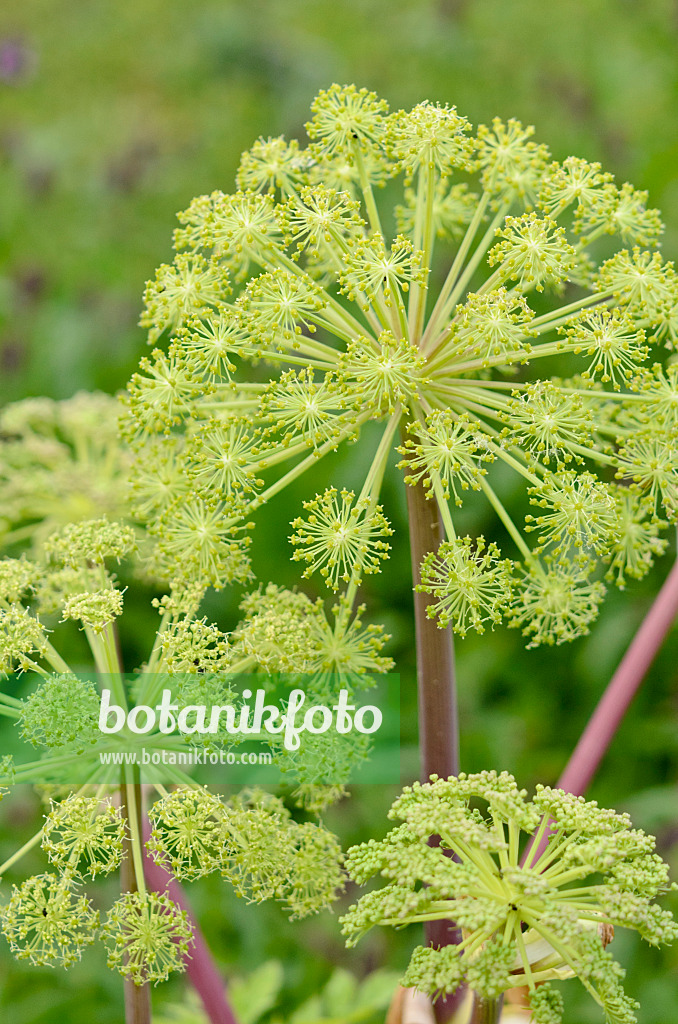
<point>620,691</point>
<point>622,688</point>
<point>438,716</point>
<point>200,966</point>
<point>437,697</point>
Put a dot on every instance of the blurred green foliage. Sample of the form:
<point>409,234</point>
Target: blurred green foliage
<point>112,117</point>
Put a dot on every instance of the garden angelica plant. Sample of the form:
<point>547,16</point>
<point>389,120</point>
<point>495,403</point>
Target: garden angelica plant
<point>94,827</point>
<point>299,308</point>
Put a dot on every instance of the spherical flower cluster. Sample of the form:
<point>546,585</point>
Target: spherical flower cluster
<point>60,461</point>
<point>47,923</point>
<point>83,835</point>
<point>292,316</point>
<point>530,912</point>
<point>254,842</point>
<point>340,539</point>
<point>62,711</point>
<point>147,937</point>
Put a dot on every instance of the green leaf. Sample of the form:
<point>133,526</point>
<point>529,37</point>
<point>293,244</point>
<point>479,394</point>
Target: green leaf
<point>253,996</point>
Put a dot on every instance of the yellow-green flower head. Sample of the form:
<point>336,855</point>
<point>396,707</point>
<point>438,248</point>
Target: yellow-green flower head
<point>255,844</point>
<point>531,911</point>
<point>46,923</point>
<point>299,309</point>
<point>147,937</point>
<point>90,543</point>
<point>95,610</point>
<point>340,538</point>
<point>278,630</point>
<point>84,835</point>
<point>63,711</point>
<point>21,635</point>
<point>17,575</point>
<point>186,832</point>
<point>344,116</point>
<point>60,462</point>
<point>267,855</point>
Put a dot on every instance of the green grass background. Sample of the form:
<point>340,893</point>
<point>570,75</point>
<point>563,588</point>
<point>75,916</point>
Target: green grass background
<point>113,115</point>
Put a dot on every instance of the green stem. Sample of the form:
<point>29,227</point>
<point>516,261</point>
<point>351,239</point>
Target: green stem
<point>156,654</point>
<point>26,772</point>
<point>368,194</point>
<point>12,702</point>
<point>137,997</point>
<point>486,1011</point>
<point>424,237</point>
<point>471,231</point>
<point>370,492</point>
<point>506,520</point>
<point>56,661</point>
<point>19,853</point>
<point>473,263</point>
<point>331,445</point>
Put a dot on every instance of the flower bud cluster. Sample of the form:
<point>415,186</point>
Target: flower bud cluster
<point>531,910</point>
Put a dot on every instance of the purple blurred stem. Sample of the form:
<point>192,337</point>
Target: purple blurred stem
<point>200,966</point>
<point>622,688</point>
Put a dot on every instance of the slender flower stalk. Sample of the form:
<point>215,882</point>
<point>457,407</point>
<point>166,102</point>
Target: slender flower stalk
<point>137,997</point>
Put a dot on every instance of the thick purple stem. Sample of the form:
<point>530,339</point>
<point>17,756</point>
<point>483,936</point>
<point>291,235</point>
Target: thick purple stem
<point>486,1011</point>
<point>437,695</point>
<point>200,966</point>
<point>622,688</point>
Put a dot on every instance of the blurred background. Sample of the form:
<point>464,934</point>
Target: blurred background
<point>112,117</point>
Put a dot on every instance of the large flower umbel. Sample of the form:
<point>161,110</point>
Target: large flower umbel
<point>529,914</point>
<point>292,316</point>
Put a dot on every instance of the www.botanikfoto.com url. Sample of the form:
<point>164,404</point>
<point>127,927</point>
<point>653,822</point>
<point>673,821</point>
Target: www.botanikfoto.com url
<point>183,757</point>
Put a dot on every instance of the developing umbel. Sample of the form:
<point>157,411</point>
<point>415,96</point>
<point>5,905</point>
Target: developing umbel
<point>530,913</point>
<point>292,316</point>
